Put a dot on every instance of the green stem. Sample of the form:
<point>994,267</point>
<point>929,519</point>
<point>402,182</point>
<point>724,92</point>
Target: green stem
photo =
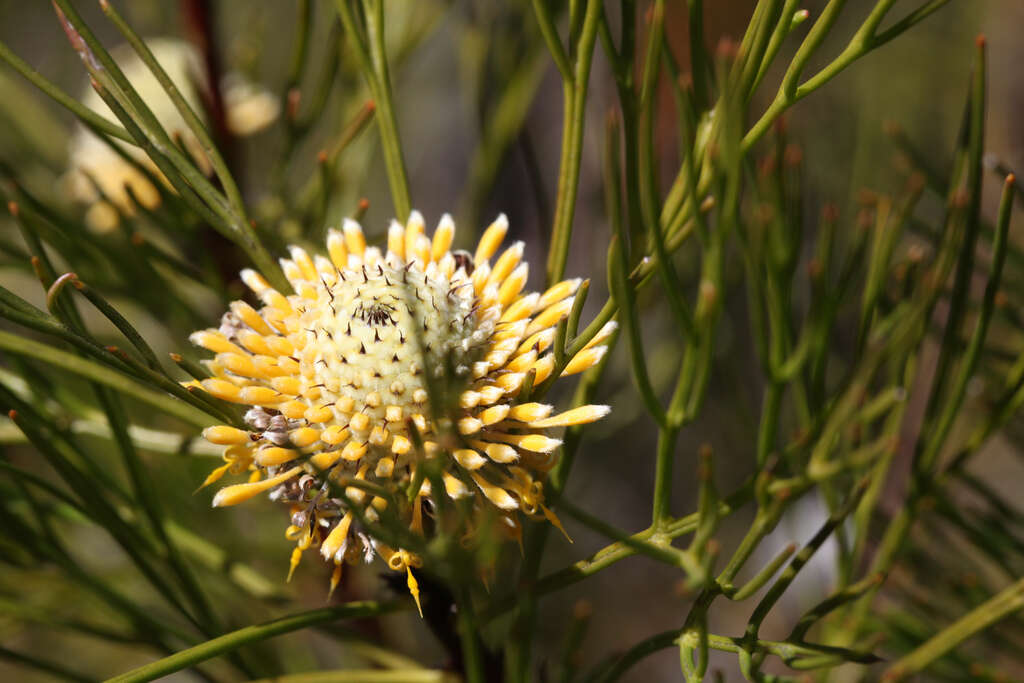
<point>972,355</point>
<point>657,548</point>
<point>791,653</point>
<point>85,114</point>
<point>386,118</point>
<point>610,554</point>
<point>187,113</point>
<point>574,100</point>
<point>798,562</point>
<point>1000,606</point>
<point>864,41</point>
<point>662,499</point>
<point>648,180</point>
<point>115,317</point>
<point>366,676</point>
<point>550,35</point>
<point>782,28</point>
<point>472,663</point>
<point>369,50</point>
<point>146,498</point>
<point>140,122</point>
<point>624,296</point>
<point>764,575</point>
<point>230,642</point>
<point>103,375</point>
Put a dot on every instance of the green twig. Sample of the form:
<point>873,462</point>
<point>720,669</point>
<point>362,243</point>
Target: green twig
<point>85,114</point>
<point>184,108</point>
<point>369,49</point>
<point>230,642</point>
<point>1000,606</point>
<point>103,375</point>
<point>574,99</point>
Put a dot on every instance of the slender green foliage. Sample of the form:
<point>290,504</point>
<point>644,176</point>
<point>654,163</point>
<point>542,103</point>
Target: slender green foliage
<point>812,332</point>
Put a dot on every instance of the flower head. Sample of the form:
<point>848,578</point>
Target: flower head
<point>381,362</point>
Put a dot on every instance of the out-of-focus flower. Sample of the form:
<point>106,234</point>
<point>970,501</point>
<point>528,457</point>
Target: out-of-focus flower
<point>100,173</point>
<point>348,380</point>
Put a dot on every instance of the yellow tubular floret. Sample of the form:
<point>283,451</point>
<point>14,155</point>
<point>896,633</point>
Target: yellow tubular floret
<point>225,436</point>
<point>232,495</point>
<point>490,394</point>
<point>543,368</point>
<point>355,241</point>
<point>491,239</point>
<point>469,425</point>
<point>497,452</point>
<point>480,278</point>
<point>606,331</point>
<point>497,495</point>
<point>275,455</point>
<point>584,360</point>
<point>506,263</point>
<point>240,364</point>
<point>293,410</point>
<point>319,414</point>
<point>353,451</point>
<point>454,486</point>
<point>304,436</point>
<point>396,240</point>
<point>336,539</point>
<point>523,362</point>
<point>261,396</point>
<point>323,461</point>
<point>336,249</point>
<point>493,414</point>
<point>305,264</point>
<point>385,468</point>
<point>420,252</point>
<point>523,308</point>
<point>538,340</point>
<point>512,285</point>
<point>212,340</point>
<point>254,342</point>
<point>442,238</point>
<point>528,412</point>
<point>334,435</point>
<point>550,315</point>
<point>468,458</point>
<point>254,281</point>
<point>558,292</point>
<point>414,228</point>
<point>248,315</point>
<point>538,443</point>
<point>414,589</point>
<point>511,382</point>
<point>222,389</point>
<point>576,416</point>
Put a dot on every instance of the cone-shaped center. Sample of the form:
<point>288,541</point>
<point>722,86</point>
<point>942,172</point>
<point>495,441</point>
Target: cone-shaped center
<point>378,330</point>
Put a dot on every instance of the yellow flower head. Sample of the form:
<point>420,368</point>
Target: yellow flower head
<point>340,375</point>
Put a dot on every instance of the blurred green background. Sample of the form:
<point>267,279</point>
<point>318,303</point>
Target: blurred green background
<point>455,59</point>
